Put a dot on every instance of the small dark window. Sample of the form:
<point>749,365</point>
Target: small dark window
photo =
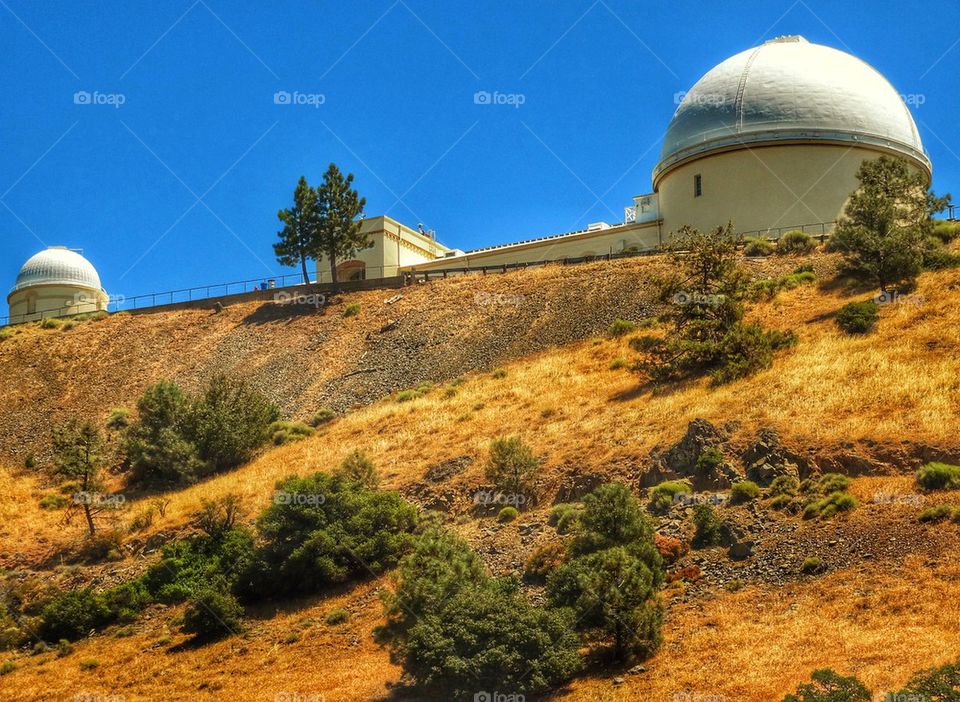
<point>697,186</point>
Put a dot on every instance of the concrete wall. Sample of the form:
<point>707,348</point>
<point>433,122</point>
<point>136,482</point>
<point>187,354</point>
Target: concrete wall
<point>35,303</point>
<point>598,243</point>
<point>761,188</point>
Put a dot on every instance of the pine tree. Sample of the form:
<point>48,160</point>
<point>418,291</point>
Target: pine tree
<point>299,229</point>
<point>886,225</point>
<point>340,208</point>
<point>78,451</point>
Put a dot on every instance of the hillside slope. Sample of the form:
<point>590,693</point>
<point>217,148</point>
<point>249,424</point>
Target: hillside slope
<point>876,406</point>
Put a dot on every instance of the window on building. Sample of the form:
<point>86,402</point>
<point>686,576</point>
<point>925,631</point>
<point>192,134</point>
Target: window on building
<point>697,185</point>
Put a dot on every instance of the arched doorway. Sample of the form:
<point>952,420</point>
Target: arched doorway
<point>352,270</point>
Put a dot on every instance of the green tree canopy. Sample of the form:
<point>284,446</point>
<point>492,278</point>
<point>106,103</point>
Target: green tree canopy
<point>300,222</point>
<point>886,225</point>
<point>340,210</point>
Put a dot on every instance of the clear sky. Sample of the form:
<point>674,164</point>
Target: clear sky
<point>171,173</point>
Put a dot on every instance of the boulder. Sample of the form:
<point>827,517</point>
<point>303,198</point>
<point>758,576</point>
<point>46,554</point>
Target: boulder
<point>767,459</point>
<point>740,550</point>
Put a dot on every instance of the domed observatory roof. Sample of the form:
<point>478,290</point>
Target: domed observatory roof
<point>790,89</point>
<point>57,265</point>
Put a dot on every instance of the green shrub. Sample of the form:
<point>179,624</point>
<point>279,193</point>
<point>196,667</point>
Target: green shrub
<point>64,648</point>
<point>781,502</point>
<point>507,514</point>
<point>407,396</point>
<point>51,323</point>
<point>119,419</point>
<point>6,333</point>
<point>322,416</point>
<point>744,491</point>
<point>746,349</point>
<point>709,529</point>
<point>499,374</point>
<point>941,684</point>
<point>832,482</point>
<point>72,614</point>
<point>513,468</point>
<point>544,560</point>
<point>812,565</point>
<point>939,476</point>
<point>564,517</point>
<point>229,422</point>
<point>618,364</point>
<point>286,432</point>
<point>937,513</point>
<point>212,614</point>
<point>52,502</point>
<point>708,461</point>
<point>454,628</point>
<point>352,310</point>
<point>827,686</point>
<point>663,495</point>
<point>830,505</point>
<point>613,573</point>
<point>795,242</point>
<point>156,445</point>
<point>858,317</point>
<point>7,667</point>
<point>337,616</point>
<point>359,467</point>
<point>783,485</point>
<point>620,327</point>
<point>946,231</point>
<point>89,664</point>
<point>755,246</point>
<point>936,257</point>
<point>322,530</point>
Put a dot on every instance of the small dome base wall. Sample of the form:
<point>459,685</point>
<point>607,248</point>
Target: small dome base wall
<point>39,302</point>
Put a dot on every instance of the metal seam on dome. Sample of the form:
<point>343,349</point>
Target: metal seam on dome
<point>742,87</point>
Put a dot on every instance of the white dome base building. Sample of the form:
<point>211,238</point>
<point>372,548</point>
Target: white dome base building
<point>56,282</point>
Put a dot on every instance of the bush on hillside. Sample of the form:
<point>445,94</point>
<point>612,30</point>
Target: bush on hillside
<point>620,327</point>
<point>323,530</point>
<point>937,513</point>
<point>858,317</point>
<point>564,517</point>
<point>72,615</point>
<point>663,496</point>
<point>795,242</point>
<point>455,630</point>
<point>939,476</point>
<point>322,416</point>
<point>828,686</point>
<point>285,432</point>
<point>359,467</point>
<point>513,468</point>
<point>507,514</point>
<point>755,246</point>
<point>613,573</point>
<point>177,439</point>
<point>744,491</point>
<point>941,684</point>
<point>544,560</point>
<point>212,614</point>
<point>709,529</point>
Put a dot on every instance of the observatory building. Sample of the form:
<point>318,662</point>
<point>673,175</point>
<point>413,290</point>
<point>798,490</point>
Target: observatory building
<point>770,139</point>
<point>56,282</point>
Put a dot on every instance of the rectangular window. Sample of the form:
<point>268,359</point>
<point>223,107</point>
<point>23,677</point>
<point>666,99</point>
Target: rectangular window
<point>697,186</point>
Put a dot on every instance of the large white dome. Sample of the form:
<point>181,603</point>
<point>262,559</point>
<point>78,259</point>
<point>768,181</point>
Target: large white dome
<point>57,265</point>
<point>789,89</point>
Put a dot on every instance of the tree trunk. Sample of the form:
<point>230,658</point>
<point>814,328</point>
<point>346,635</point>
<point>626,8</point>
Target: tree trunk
<point>333,267</point>
<point>303,266</point>
<point>86,513</point>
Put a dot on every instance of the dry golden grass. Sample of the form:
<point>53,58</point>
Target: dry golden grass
<point>759,644</point>
<point>900,383</point>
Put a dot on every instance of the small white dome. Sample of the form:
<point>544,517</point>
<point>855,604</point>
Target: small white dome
<point>57,265</point>
<point>789,89</point>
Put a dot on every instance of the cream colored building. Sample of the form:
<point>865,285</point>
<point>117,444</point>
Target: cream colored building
<point>770,139</point>
<point>56,282</point>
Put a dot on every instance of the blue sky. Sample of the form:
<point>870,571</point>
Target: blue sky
<point>179,185</point>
